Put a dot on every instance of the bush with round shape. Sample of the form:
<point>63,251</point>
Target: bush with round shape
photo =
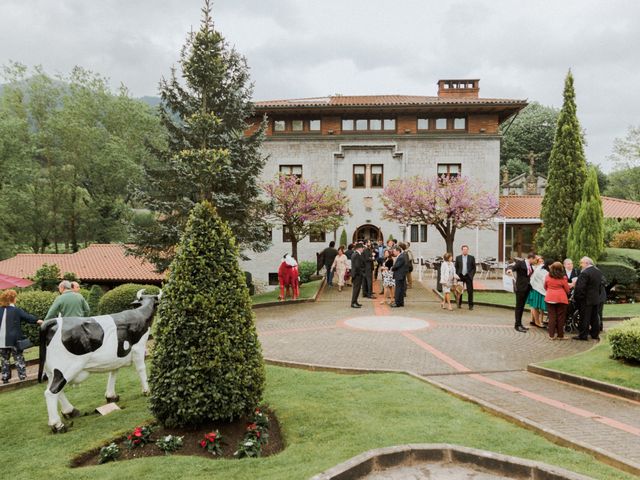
<point>629,239</point>
<point>47,277</point>
<point>621,272</point>
<point>37,303</point>
<point>305,270</point>
<point>207,362</point>
<point>122,297</point>
<point>625,340</point>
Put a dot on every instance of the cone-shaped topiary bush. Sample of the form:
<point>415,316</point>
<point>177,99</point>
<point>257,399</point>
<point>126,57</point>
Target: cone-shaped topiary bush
<point>207,362</point>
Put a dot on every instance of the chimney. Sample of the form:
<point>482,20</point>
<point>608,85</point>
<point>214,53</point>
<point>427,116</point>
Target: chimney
<point>458,88</point>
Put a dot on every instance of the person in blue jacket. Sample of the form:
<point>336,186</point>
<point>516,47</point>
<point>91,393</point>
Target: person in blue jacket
<point>11,333</point>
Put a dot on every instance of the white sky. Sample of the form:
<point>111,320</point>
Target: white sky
<point>308,48</point>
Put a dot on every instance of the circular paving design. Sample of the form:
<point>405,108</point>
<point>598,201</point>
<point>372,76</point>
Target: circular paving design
<point>390,323</point>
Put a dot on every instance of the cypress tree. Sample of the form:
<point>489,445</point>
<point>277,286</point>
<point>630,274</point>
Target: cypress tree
<point>586,235</point>
<point>343,237</point>
<point>567,175</point>
<point>207,362</point>
<point>208,156</point>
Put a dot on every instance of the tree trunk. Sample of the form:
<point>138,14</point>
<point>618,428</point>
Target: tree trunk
<point>294,248</point>
<point>448,240</point>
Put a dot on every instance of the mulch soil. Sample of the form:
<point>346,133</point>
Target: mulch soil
<point>232,434</point>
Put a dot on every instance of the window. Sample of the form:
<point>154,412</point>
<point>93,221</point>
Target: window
<point>459,123</point>
<point>418,233</point>
<point>377,176</point>
<point>449,169</point>
<point>359,176</point>
<point>273,278</point>
<point>295,170</point>
<point>279,126</point>
<point>389,123</point>
<point>441,123</point>
<point>414,233</point>
<point>297,125</point>
<point>361,124</point>
<point>423,233</point>
<point>423,124</point>
<point>286,235</point>
<point>314,125</point>
<point>347,124</point>
<point>317,237</point>
<point>375,124</point>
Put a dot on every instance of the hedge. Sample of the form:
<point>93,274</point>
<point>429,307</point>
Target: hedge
<point>626,239</point>
<point>623,273</point>
<point>625,340</point>
<point>122,297</point>
<point>35,302</point>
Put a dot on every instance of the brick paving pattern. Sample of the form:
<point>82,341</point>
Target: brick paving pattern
<point>474,353</point>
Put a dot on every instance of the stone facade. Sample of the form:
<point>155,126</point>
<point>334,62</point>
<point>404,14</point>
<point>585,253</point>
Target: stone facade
<point>395,136</point>
<point>330,160</point>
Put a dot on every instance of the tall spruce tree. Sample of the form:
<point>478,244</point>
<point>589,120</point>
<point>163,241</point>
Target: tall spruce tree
<point>586,235</point>
<point>207,363</point>
<point>567,175</point>
<point>209,157</point>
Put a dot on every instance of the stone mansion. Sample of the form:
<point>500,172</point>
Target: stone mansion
<point>358,144</point>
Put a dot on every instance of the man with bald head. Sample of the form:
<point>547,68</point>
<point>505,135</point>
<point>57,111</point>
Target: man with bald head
<point>587,293</point>
<point>69,303</point>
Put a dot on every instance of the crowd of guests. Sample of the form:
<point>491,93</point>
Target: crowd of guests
<point>549,287</point>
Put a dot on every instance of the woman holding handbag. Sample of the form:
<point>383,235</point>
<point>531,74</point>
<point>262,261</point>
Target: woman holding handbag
<point>12,340</point>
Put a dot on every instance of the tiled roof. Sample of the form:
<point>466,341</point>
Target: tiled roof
<point>96,263</point>
<point>382,101</point>
<point>529,206</point>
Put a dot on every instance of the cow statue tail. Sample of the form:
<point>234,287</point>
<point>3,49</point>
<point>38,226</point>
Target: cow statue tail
<point>44,330</point>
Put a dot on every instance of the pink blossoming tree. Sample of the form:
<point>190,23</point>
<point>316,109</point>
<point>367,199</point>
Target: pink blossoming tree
<point>448,204</point>
<point>303,207</point>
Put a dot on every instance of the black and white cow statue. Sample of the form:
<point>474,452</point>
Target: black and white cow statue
<point>73,347</point>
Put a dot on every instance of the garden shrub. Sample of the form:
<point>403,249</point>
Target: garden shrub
<point>623,273</point>
<point>207,362</point>
<point>122,297</point>
<point>93,299</point>
<point>612,226</point>
<point>629,239</point>
<point>47,277</point>
<point>72,277</point>
<point>625,340</point>
<point>37,303</point>
<point>305,270</point>
<point>343,239</point>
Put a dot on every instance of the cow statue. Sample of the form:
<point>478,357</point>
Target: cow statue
<point>73,347</point>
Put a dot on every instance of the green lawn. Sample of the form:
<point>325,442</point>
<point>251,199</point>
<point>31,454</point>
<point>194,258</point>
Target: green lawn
<point>307,290</point>
<point>326,418</point>
<point>595,363</point>
<point>509,299</point>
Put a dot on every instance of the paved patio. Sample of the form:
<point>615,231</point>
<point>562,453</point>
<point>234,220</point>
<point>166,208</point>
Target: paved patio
<point>475,354</point>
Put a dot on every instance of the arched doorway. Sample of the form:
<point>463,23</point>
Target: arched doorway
<point>368,232</point>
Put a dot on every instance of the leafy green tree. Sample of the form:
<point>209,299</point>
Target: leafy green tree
<point>70,150</point>
<point>612,227</point>
<point>586,234</point>
<point>567,175</point>
<point>47,277</point>
<point>207,362</point>
<point>624,183</point>
<point>626,151</point>
<point>531,131</point>
<point>95,294</point>
<point>209,157</point>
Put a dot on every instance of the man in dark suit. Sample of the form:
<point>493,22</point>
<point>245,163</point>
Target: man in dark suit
<point>587,293</point>
<point>367,286</point>
<point>357,274</point>
<point>400,269</point>
<point>523,269</point>
<point>466,270</point>
<point>328,255</point>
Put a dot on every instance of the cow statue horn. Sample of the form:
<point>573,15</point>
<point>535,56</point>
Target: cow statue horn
<point>140,293</point>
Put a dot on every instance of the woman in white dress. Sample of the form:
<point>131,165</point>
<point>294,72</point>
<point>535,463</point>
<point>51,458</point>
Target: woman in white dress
<point>447,278</point>
<point>340,265</point>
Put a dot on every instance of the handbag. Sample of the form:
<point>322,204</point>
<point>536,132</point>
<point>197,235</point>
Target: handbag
<point>23,344</point>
